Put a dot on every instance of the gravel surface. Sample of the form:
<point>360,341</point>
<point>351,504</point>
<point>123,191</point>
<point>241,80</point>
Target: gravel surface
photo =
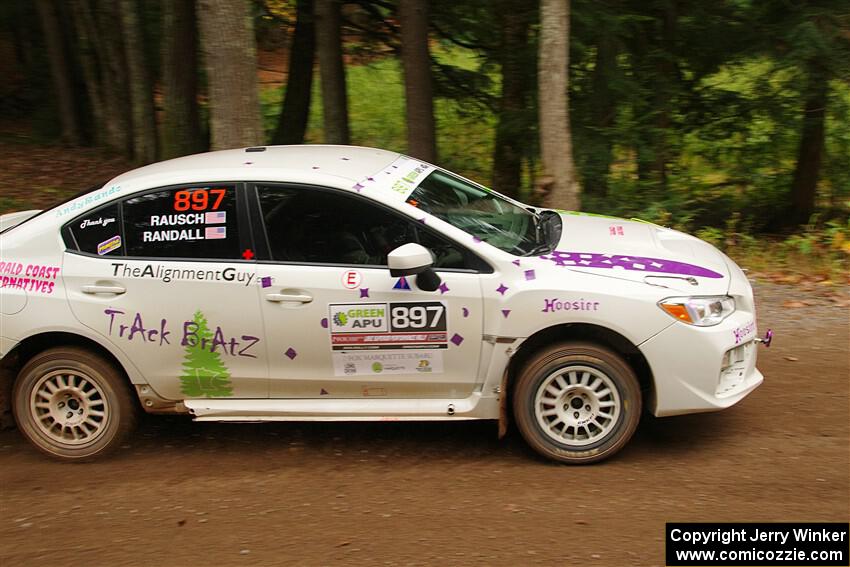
<point>448,493</point>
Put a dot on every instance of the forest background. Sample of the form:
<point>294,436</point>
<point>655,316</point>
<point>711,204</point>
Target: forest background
<point>727,119</point>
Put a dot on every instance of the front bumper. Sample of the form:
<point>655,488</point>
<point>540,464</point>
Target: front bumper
<point>687,365</point>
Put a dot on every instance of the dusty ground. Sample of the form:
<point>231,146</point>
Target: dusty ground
<point>443,494</point>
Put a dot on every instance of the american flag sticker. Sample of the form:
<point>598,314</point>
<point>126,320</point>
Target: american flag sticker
<point>215,218</point>
<point>214,232</point>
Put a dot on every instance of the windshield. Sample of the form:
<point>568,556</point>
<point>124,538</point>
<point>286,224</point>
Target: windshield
<point>479,212</point>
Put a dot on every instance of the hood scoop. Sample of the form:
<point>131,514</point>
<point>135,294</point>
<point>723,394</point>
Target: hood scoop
<point>673,282</point>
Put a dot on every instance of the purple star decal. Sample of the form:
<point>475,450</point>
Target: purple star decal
<point>502,288</point>
<point>465,312</point>
<point>631,263</point>
<point>457,339</point>
<point>266,281</point>
<point>290,352</point>
<point>324,322</point>
<point>358,186</point>
<point>515,262</point>
<point>443,288</point>
<point>530,275</point>
<point>422,220</point>
<point>364,292</point>
<point>506,312</point>
<point>476,240</point>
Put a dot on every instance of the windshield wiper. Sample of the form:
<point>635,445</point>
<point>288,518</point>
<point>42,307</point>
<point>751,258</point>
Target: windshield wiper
<point>543,247</point>
<point>538,225</point>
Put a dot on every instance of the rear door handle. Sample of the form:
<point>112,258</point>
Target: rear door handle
<point>98,288</point>
<point>294,297</point>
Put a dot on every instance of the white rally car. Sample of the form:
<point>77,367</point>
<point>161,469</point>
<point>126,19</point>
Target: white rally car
<point>345,283</point>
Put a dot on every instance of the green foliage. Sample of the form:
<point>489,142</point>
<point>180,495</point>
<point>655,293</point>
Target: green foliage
<point>818,250</point>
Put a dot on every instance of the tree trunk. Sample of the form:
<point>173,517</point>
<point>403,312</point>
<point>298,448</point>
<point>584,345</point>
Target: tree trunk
<point>810,152</point>
<point>181,125</point>
<point>85,30</point>
<point>292,122</point>
<point>553,79</point>
<point>230,58</point>
<point>419,91</point>
<point>113,78</point>
<point>600,151</point>
<point>665,85</point>
<point>513,128</point>
<point>141,89</point>
<point>59,71</point>
<point>332,71</point>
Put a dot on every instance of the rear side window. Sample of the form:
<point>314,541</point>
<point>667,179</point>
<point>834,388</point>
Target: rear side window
<point>99,232</point>
<point>183,222</point>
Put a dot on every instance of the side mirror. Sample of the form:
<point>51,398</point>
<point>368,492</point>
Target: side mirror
<point>414,259</point>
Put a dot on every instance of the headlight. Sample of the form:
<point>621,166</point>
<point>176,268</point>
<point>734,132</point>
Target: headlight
<point>699,311</point>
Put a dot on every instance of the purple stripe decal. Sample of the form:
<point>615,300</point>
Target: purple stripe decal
<point>634,263</point>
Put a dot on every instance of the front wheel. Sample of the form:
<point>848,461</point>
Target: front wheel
<point>577,402</point>
<point>72,404</point>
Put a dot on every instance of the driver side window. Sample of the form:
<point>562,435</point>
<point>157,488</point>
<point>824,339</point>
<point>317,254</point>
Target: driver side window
<point>313,226</point>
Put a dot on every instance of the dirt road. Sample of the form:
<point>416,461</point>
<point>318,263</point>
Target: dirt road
<point>443,494</point>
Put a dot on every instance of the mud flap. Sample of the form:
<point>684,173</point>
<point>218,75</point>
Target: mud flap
<point>504,417</point>
<point>8,371</point>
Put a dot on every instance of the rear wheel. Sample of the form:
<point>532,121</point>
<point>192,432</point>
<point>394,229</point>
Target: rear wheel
<point>577,402</point>
<point>72,404</point>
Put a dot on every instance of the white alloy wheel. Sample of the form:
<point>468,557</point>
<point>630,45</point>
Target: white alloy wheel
<point>576,402</point>
<point>577,405</point>
<point>73,404</point>
<point>69,407</point>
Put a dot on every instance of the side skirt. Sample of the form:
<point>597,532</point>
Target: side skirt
<point>474,407</point>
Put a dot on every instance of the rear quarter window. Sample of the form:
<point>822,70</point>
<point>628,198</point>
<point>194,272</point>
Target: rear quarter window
<point>98,232</point>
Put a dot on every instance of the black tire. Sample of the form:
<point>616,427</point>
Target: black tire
<point>73,405</point>
<point>576,435</point>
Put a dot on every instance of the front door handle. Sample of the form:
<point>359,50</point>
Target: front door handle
<point>99,288</point>
<point>294,297</point>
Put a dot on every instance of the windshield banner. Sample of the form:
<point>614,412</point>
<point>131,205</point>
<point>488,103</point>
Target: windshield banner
<point>399,179</point>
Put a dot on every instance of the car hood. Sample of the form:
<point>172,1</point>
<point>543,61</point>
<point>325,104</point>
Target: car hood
<point>635,250</point>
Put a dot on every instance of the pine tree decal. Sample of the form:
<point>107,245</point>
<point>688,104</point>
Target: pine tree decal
<point>204,373</point>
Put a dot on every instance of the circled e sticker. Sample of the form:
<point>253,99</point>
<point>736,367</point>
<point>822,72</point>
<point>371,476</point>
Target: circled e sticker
<point>351,279</point>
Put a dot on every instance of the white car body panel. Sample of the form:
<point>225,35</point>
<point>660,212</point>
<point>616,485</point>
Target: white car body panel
<point>604,272</point>
<point>167,318</point>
